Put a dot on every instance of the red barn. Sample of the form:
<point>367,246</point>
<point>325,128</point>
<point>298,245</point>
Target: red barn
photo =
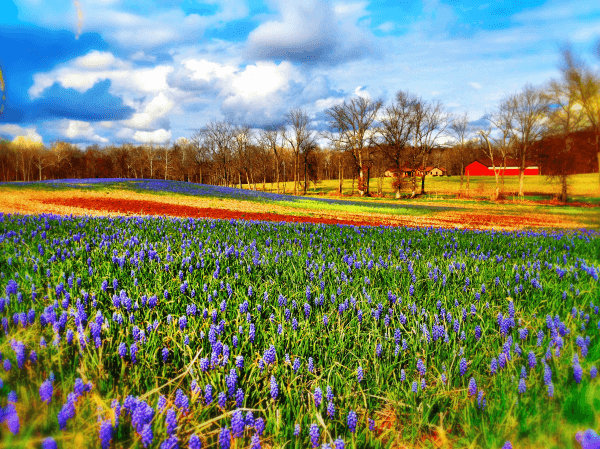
<point>483,167</point>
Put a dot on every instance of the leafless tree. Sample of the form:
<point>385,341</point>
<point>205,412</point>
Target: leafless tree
<point>150,151</point>
<point>502,118</point>
<point>585,85</point>
<point>268,139</point>
<point>462,132</point>
<point>430,121</point>
<point>565,117</point>
<point>350,126</point>
<point>242,138</point>
<point>220,140</point>
<point>300,139</point>
<point>489,151</point>
<point>395,131</point>
<point>529,123</point>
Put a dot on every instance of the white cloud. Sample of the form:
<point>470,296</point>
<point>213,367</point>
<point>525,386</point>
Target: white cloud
<point>311,31</point>
<point>361,92</point>
<point>141,56</point>
<point>83,73</point>
<point>77,129</point>
<point>17,131</point>
<point>386,27</point>
<point>475,85</point>
<point>158,136</point>
<point>156,108</point>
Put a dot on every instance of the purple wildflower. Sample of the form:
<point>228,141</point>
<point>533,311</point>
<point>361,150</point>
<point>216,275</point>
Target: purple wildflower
<point>314,435</point>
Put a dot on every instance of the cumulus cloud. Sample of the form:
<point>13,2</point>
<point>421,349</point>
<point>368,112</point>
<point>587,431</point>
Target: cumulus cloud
<point>76,129</point>
<point>257,94</point>
<point>154,110</point>
<point>475,85</point>
<point>83,73</point>
<point>16,131</point>
<point>158,136</point>
<point>312,32</point>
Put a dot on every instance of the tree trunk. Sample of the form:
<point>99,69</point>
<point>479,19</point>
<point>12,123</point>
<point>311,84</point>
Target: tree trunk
<point>277,161</point>
<point>305,169</point>
<point>341,174</point>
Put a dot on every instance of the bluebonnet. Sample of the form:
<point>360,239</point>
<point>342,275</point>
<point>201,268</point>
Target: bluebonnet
<point>329,393</point>
<point>339,443</point>
<point>147,435</point>
<point>359,373</point>
<point>208,397</point>
<point>222,399</point>
<point>415,386</point>
<point>171,421</point>
<point>522,386</point>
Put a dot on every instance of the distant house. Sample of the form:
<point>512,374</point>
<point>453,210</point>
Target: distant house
<point>405,172</point>
<point>436,171</point>
<point>394,172</point>
<point>484,167</point>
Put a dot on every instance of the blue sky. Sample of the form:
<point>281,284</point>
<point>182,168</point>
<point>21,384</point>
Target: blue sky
<point>140,71</point>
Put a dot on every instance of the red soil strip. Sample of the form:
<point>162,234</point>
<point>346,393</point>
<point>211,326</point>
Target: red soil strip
<point>144,207</point>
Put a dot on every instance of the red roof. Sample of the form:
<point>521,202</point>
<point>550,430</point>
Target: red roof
<point>510,162</point>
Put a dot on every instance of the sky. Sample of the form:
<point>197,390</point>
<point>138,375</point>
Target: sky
<point>114,71</point>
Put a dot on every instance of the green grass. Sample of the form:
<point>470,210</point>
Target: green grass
<point>268,268</point>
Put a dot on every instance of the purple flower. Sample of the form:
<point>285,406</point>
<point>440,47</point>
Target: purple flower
<point>311,365</point>
<point>224,438</point>
<point>507,445</point>
<point>359,373</point>
<point>522,386</point>
<point>46,390</point>
<point>415,386</point>
<point>330,410</point>
<point>171,421</point>
<point>260,426</point>
<point>472,387</point>
<point>165,354</point>
<point>49,443</point>
<point>339,443</point>
<point>588,439</point>
<point>318,396</point>
<point>147,435</point>
<point>12,397</point>
<point>314,435</point>
<point>274,388</point>
<point>195,442</point>
<point>577,372</point>
<point>371,425</point>
<point>463,366</point>
<point>237,424</point>
<point>106,432</point>
<point>352,421</point>
<point>593,372</point>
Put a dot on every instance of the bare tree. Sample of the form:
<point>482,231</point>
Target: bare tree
<point>529,123</point>
<point>430,122</point>
<point>268,139</point>
<point>299,138</point>
<point>565,117</point>
<point>585,85</point>
<point>484,135</point>
<point>242,138</point>
<point>502,119</point>
<point>220,140</point>
<point>461,131</point>
<point>350,125</point>
<point>396,131</point>
<point>150,152</point>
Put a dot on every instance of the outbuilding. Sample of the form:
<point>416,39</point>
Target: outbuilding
<point>484,167</point>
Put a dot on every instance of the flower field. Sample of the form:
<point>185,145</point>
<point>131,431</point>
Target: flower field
<point>175,332</point>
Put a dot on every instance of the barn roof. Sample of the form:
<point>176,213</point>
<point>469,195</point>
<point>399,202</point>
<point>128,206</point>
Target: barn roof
<point>510,162</point>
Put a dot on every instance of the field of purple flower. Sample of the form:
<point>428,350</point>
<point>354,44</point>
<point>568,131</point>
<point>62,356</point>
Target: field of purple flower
<point>149,332</point>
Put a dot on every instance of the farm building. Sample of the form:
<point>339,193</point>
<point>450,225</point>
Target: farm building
<point>404,172</point>
<point>484,167</point>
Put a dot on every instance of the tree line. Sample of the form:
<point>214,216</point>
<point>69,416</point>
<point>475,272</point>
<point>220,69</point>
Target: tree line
<point>364,137</point>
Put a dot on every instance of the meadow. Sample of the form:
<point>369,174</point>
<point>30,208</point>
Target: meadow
<point>133,331</point>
